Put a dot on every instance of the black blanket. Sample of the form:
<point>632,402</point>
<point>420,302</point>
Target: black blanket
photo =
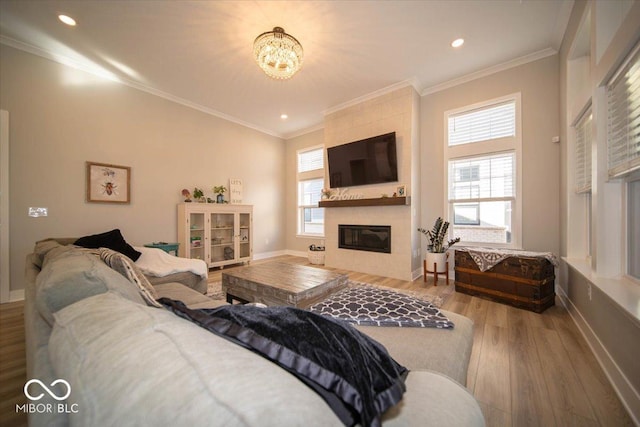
<point>353,373</point>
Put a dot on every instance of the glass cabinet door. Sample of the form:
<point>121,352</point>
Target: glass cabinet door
<point>245,235</point>
<point>196,236</point>
<point>222,243</point>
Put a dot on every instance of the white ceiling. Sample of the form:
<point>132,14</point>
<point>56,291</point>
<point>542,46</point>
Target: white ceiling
<point>199,53</point>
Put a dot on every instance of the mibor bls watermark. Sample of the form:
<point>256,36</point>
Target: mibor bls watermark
<point>31,390</point>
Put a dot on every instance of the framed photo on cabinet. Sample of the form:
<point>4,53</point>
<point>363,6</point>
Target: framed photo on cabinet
<point>108,183</point>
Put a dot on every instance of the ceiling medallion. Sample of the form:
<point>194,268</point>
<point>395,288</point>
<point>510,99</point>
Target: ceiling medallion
<point>278,53</point>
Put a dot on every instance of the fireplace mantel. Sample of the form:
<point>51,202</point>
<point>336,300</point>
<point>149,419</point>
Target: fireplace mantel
<point>379,201</point>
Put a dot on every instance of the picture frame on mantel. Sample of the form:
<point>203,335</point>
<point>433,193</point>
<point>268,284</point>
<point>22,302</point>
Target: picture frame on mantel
<point>107,183</point>
<point>401,191</point>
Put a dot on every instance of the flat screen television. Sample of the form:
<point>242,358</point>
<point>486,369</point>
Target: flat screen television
<point>368,161</point>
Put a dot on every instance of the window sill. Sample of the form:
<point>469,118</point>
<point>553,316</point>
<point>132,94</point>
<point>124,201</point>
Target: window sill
<point>623,291</point>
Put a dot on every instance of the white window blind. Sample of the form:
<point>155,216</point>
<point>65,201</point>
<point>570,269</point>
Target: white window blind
<point>623,118</point>
<point>310,160</point>
<point>485,177</point>
<point>311,217</point>
<point>492,122</point>
<point>583,152</point>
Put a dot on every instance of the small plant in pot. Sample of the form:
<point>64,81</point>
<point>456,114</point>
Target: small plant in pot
<point>198,195</point>
<point>219,191</point>
<point>437,249</point>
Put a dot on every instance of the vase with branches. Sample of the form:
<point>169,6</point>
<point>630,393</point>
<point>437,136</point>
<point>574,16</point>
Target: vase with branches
<point>437,235</point>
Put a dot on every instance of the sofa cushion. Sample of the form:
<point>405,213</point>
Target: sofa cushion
<point>123,265</point>
<point>432,399</point>
<point>69,274</point>
<point>443,350</point>
<point>191,298</point>
<point>111,239</point>
<point>130,364</point>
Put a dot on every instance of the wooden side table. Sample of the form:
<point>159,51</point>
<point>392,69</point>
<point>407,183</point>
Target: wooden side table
<point>435,272</point>
<point>167,247</point>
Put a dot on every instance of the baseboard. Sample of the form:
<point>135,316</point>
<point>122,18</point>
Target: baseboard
<point>17,295</point>
<point>626,392</point>
<point>265,255</point>
<point>302,254</point>
<point>417,273</point>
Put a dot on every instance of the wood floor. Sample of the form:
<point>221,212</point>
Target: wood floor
<point>526,369</point>
<point>13,369</point>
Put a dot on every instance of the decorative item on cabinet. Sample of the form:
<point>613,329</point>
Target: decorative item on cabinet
<point>219,190</point>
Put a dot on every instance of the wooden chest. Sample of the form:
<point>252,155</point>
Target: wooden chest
<point>523,282</point>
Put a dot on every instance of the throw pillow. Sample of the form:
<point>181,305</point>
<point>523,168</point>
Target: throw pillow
<point>111,239</point>
<point>128,269</point>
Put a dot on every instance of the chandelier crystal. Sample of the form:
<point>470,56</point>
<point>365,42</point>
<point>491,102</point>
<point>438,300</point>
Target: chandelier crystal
<point>278,53</point>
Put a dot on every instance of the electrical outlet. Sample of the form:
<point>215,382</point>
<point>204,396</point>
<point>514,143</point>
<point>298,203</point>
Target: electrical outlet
<point>589,291</point>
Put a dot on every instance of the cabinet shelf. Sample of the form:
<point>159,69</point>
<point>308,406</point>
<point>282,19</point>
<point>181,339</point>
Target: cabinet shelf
<point>218,230</point>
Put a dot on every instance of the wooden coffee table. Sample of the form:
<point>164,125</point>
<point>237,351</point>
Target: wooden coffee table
<point>280,283</point>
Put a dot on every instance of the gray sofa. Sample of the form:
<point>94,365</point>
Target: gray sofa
<point>128,363</point>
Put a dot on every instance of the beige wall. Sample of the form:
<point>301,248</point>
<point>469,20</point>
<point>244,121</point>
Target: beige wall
<point>61,117</point>
<point>538,84</point>
<point>295,243</point>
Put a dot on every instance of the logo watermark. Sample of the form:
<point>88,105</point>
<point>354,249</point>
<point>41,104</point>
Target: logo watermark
<point>49,408</point>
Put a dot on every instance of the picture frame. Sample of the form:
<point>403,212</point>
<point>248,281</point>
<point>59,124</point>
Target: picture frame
<point>107,183</point>
<point>401,191</point>
<point>235,191</point>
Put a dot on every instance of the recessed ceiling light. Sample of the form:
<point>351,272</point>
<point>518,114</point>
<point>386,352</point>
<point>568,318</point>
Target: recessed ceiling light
<point>457,42</point>
<point>67,20</point>
<point>284,116</point>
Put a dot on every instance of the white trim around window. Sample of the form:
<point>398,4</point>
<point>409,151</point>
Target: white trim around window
<point>503,144</point>
<point>309,185</point>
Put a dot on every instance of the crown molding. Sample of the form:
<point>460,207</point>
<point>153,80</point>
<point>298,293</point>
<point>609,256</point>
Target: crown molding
<point>413,82</point>
<point>304,131</point>
<point>491,70</point>
<point>66,61</point>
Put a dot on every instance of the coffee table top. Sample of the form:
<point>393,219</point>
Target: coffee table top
<point>282,283</point>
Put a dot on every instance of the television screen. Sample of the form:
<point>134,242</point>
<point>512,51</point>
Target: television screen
<point>369,161</point>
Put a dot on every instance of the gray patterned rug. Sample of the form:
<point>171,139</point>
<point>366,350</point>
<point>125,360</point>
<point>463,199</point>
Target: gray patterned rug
<point>368,305</point>
<point>215,292</point>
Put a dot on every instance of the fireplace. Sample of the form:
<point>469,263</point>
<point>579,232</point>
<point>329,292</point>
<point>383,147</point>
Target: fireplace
<point>373,238</point>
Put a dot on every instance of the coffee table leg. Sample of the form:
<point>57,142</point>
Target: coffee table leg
<point>230,299</point>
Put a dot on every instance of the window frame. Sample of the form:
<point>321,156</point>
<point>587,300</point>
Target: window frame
<point>634,177</point>
<point>629,165</point>
<point>487,148</point>
<point>301,177</point>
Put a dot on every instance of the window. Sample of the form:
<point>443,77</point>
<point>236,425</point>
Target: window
<point>482,153</point>
<point>633,228</point>
<point>310,185</point>
<point>583,151</point>
<point>623,118</point>
<point>623,149</point>
<point>486,123</point>
<point>489,189</point>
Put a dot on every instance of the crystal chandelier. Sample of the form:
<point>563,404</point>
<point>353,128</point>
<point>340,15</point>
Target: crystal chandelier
<point>278,53</point>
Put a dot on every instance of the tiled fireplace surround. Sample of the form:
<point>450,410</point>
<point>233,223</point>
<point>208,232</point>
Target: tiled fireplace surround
<point>395,111</point>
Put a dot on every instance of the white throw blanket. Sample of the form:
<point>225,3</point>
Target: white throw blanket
<point>156,262</point>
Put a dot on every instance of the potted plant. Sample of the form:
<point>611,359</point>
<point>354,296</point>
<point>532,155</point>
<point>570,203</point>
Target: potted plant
<point>198,194</point>
<point>437,249</point>
<point>219,190</point>
<point>186,194</point>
